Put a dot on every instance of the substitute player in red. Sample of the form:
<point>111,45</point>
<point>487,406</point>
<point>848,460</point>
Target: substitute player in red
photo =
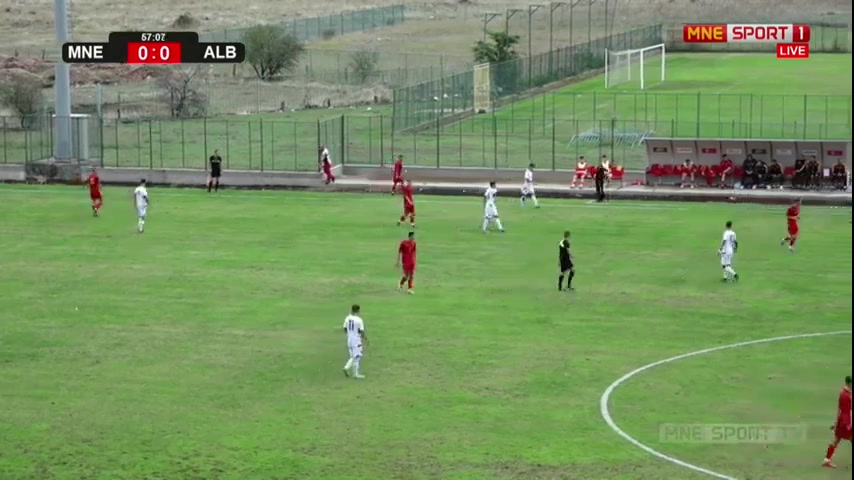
<point>842,427</point>
<point>326,165</point>
<point>408,205</point>
<point>793,214</point>
<point>95,192</point>
<point>406,258</point>
<point>397,174</point>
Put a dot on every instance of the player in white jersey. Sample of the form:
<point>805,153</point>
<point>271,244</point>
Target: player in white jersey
<point>528,187</point>
<point>729,246</point>
<point>354,327</point>
<point>490,210</point>
<point>140,201</point>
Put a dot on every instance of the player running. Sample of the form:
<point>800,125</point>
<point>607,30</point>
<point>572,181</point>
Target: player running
<point>842,427</point>
<point>325,164</point>
<point>408,205</point>
<point>94,183</point>
<point>397,174</point>
<point>793,214</point>
<point>406,258</point>
<point>354,327</point>
<point>528,192</point>
<point>140,201</point>
<point>729,246</point>
<point>490,210</point>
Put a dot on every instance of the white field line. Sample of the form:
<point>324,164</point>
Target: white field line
<point>606,396</point>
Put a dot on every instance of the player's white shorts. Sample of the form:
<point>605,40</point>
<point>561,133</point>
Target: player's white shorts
<point>141,210</point>
<point>528,191</point>
<point>491,211</point>
<point>726,259</point>
<point>355,350</point>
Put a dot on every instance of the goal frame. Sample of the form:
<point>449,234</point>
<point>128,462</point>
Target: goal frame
<point>630,53</point>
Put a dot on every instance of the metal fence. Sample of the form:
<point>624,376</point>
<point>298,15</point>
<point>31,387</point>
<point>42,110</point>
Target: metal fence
<point>502,139</point>
<point>308,29</point>
<point>423,104</point>
<point>824,38</point>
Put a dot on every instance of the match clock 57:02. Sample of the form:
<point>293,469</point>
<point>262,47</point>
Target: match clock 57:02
<point>154,52</point>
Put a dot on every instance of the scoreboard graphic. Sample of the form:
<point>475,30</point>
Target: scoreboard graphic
<point>793,40</point>
<point>153,48</point>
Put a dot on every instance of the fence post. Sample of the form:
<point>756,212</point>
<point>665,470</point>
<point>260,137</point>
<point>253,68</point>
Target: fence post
<point>261,140</point>
<point>370,138</point>
<point>341,140</point>
<point>117,143</point>
<point>554,142</point>
<point>5,143</point>
<point>494,141</point>
<point>183,147</point>
<point>205,139</point>
<point>296,147</point>
<point>150,145</point>
<point>160,140</point>
<point>392,135</point>
<point>382,141</point>
<point>138,144</point>
<point>249,131</point>
<point>272,145</point>
<point>438,140</point>
<point>227,148</point>
<point>697,133</point>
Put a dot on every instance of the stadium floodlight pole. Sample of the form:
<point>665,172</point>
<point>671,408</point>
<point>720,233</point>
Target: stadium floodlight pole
<point>571,20</point>
<point>590,22</point>
<point>62,86</point>
<point>488,17</point>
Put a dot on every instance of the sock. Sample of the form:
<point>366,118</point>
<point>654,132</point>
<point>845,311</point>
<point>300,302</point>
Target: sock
<point>730,272</point>
<point>522,200</point>
<point>831,449</point>
<point>560,282</point>
<point>485,224</point>
<point>536,203</point>
<point>402,219</point>
<point>402,281</point>
<point>216,186</point>
<point>348,364</point>
<point>498,224</point>
<point>210,184</point>
<point>792,242</point>
<point>411,283</point>
<point>356,365</point>
<point>412,220</point>
<point>569,279</point>
<point>726,274</point>
<point>141,224</point>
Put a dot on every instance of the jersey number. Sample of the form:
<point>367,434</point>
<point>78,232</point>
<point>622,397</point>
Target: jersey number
<point>351,326</point>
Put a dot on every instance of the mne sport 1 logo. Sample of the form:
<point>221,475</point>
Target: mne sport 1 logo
<point>792,39</point>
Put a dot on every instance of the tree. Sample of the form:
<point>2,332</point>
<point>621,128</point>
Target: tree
<point>181,92</point>
<point>499,48</point>
<point>364,65</point>
<point>271,50</point>
<point>25,98</point>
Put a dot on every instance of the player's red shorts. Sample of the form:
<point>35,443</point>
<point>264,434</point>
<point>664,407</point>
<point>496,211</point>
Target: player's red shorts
<point>408,210</point>
<point>397,180</point>
<point>793,228</point>
<point>95,196</point>
<point>409,269</point>
<point>580,175</point>
<point>842,431</point>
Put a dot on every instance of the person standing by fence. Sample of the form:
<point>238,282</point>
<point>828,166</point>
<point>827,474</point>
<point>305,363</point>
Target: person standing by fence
<point>216,171</point>
<point>600,178</point>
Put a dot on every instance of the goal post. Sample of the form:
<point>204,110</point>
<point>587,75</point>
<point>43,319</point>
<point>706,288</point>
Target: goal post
<point>643,67</point>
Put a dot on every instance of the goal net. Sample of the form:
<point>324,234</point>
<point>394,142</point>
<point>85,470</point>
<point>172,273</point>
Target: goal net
<point>643,67</point>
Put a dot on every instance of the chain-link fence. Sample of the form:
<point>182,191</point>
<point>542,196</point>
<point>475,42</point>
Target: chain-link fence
<point>542,130</point>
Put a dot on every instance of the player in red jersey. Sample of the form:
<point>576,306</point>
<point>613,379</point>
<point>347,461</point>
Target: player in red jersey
<point>408,205</point>
<point>406,258</point>
<point>95,192</point>
<point>397,174</point>
<point>842,427</point>
<point>793,214</point>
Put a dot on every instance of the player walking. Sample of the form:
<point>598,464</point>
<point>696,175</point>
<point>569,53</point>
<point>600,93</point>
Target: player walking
<point>567,268</point>
<point>406,258</point>
<point>528,187</point>
<point>842,427</point>
<point>397,174</point>
<point>490,210</point>
<point>140,201</point>
<point>793,214</point>
<point>326,165</point>
<point>95,192</point>
<point>354,327</point>
<point>408,205</point>
<point>216,171</point>
<point>729,246</point>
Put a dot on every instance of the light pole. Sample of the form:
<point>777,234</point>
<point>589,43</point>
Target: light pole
<point>62,87</point>
<point>488,17</point>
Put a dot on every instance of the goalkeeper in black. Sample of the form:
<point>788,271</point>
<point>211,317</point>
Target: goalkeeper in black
<point>567,269</point>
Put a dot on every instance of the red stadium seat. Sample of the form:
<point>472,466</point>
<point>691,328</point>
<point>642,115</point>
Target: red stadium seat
<point>654,170</point>
<point>789,171</point>
<point>737,172</point>
<point>617,173</point>
<point>591,171</point>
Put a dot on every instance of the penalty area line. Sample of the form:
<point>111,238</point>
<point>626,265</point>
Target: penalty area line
<point>604,401</point>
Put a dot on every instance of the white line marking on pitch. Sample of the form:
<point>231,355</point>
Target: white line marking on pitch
<point>606,396</point>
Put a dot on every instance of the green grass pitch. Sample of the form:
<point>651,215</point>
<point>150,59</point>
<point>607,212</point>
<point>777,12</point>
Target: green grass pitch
<point>210,347</point>
<point>706,95</point>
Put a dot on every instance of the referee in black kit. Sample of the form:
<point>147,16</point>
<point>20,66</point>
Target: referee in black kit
<point>600,178</point>
<point>216,171</point>
<point>567,269</point>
